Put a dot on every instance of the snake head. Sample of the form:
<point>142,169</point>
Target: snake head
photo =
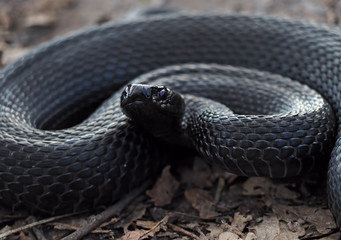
<point>157,109</point>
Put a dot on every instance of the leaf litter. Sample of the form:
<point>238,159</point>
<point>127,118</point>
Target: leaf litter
<point>197,202</point>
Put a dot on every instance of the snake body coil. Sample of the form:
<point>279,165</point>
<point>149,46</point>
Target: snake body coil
<point>52,162</point>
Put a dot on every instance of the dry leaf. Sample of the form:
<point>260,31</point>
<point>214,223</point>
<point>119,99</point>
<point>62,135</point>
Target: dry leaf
<point>259,186</point>
<point>286,233</point>
<point>197,179</point>
<point>322,219</point>
<point>157,213</point>
<point>163,191</point>
<point>239,221</point>
<point>44,5</point>
<point>201,201</point>
<point>229,236</point>
<point>138,213</point>
<point>131,235</point>
<point>47,19</point>
<point>6,20</point>
<point>268,229</point>
<point>251,236</point>
<point>256,186</point>
<point>294,222</point>
<point>168,235</point>
<point>154,227</point>
<point>214,230</point>
<point>283,213</point>
<point>11,54</point>
<point>23,236</point>
<point>198,176</point>
<point>282,192</point>
<point>145,224</point>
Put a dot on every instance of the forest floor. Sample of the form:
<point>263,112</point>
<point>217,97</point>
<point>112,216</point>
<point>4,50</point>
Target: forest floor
<point>187,202</point>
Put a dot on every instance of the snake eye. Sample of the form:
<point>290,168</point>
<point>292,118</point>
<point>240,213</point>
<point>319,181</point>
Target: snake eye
<point>162,93</point>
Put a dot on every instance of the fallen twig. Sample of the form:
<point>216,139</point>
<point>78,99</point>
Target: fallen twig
<point>202,235</point>
<point>106,214</point>
<point>36,230</point>
<point>40,222</point>
<point>158,224</point>
<point>183,231</point>
<point>63,226</point>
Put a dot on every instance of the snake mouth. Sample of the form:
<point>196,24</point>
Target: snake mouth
<point>129,103</point>
<point>131,107</point>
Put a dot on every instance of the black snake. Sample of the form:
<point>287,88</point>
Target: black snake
<point>54,161</point>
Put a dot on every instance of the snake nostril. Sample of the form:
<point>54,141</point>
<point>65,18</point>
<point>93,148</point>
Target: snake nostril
<point>126,92</point>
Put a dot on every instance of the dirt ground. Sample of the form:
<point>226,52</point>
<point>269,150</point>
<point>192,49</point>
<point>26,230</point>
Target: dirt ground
<point>187,202</point>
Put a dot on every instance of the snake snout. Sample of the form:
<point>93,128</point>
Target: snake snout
<point>135,93</point>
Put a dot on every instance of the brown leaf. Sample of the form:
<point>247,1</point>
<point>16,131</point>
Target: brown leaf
<point>163,191</point>
<point>250,236</point>
<point>285,215</point>
<point>231,199</point>
<point>11,54</point>
<point>131,235</point>
<point>5,20</point>
<point>136,214</point>
<point>23,236</point>
<point>51,4</point>
<point>201,201</point>
<point>157,213</point>
<point>197,179</point>
<point>199,176</point>
<point>282,192</point>
<point>47,19</point>
<point>214,230</point>
<point>168,235</point>
<point>192,225</point>
<point>154,227</point>
<point>229,236</point>
<point>256,186</point>
<point>322,219</point>
<point>287,234</point>
<point>259,186</point>
<point>145,224</point>
<point>239,221</point>
<point>268,228</point>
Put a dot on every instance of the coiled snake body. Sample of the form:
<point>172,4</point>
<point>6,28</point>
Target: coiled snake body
<point>52,162</point>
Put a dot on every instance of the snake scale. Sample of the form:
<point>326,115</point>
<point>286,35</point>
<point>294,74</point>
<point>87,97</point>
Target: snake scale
<point>65,144</point>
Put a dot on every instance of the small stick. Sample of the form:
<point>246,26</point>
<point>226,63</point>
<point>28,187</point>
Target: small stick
<point>158,224</point>
<point>36,230</point>
<point>107,214</point>
<point>31,225</point>
<point>202,235</point>
<point>63,226</point>
<point>183,231</point>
